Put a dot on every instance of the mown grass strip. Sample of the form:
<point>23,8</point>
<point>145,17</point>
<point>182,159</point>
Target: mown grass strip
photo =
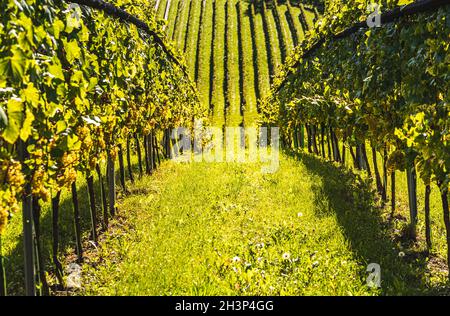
<point>282,12</point>
<point>198,41</point>
<point>294,23</point>
<point>218,74</point>
<point>167,11</point>
<point>241,58</point>
<point>262,50</point>
<point>233,109</point>
<point>307,16</point>
<point>192,36</point>
<point>182,24</point>
<point>177,21</point>
<point>161,9</point>
<point>172,17</point>
<point>188,25</point>
<point>281,32</point>
<point>249,66</point>
<point>273,41</point>
<point>205,59</point>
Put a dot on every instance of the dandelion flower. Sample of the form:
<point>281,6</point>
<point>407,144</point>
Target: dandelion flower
<point>286,256</point>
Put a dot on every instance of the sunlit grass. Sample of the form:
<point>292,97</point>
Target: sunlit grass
<point>228,229</point>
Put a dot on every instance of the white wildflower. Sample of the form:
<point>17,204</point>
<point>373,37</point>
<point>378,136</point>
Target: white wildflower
<point>286,256</point>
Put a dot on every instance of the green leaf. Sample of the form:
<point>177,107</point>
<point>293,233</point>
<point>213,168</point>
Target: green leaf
<point>60,127</point>
<point>73,142</point>
<point>55,70</point>
<point>25,131</point>
<point>73,51</point>
<point>13,66</point>
<point>73,20</point>
<point>31,94</point>
<point>15,119</point>
<point>58,26</point>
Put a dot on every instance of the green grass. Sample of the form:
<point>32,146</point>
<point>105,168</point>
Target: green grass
<point>287,35</point>
<point>309,16</point>
<point>296,22</point>
<point>161,9</point>
<point>273,38</point>
<point>309,229</point>
<point>204,83</point>
<point>171,21</point>
<point>181,25</point>
<point>399,224</point>
<point>282,35</point>
<point>232,75</point>
<point>192,36</point>
<point>263,77</point>
<point>248,61</point>
<point>218,75</point>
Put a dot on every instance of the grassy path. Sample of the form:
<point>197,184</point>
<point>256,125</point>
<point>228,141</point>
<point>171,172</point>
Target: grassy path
<point>228,229</point>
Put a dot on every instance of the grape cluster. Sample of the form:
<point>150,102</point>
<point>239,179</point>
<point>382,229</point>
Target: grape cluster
<point>12,183</point>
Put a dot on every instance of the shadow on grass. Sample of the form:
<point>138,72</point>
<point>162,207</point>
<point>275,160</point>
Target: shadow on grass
<point>351,199</point>
<point>14,265</point>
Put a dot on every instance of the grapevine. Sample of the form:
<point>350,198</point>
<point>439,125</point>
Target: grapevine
<point>78,79</point>
<point>387,86</point>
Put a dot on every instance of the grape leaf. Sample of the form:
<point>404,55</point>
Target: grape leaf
<point>15,119</point>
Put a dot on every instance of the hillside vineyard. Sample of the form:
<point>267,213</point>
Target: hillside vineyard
<point>234,48</point>
<point>224,147</point>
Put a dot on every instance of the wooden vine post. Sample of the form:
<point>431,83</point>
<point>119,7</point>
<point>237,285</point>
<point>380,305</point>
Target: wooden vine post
<point>104,203</point>
<point>28,229</point>
<point>295,138</point>
<point>38,248</point>
<point>412,198</point>
<point>302,136</point>
<point>55,233</point>
<point>446,215</point>
<point>77,223</point>
<point>2,272</point>
<point>427,216</point>
<point>122,169</point>
<point>91,193</point>
<point>130,169</point>
<point>139,153</point>
<point>392,192</point>
<point>111,186</point>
